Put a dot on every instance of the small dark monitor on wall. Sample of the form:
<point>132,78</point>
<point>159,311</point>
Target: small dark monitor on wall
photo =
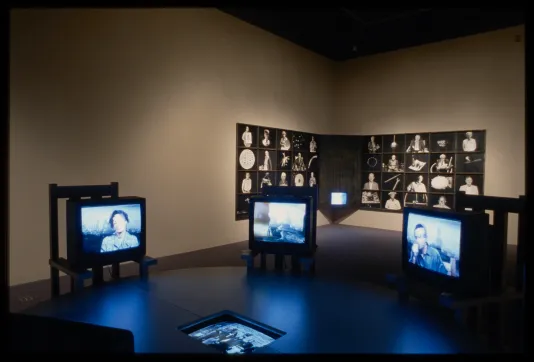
<point>338,198</point>
<point>105,231</point>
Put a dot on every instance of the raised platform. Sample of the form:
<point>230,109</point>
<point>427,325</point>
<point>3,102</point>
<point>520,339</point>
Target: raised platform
<point>318,316</point>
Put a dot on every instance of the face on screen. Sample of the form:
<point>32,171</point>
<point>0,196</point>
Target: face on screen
<point>279,222</point>
<point>434,243</point>
<point>107,229</point>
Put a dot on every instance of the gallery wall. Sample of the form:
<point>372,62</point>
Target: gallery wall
<point>148,98</point>
<point>475,82</point>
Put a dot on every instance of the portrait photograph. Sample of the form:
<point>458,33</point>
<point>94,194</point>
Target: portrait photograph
<point>442,183</point>
<point>392,181</point>
<point>416,182</point>
<point>392,201</point>
<point>284,140</point>
<point>300,161</point>
<point>374,144</point>
<point>470,184</point>
<point>313,144</point>
<point>267,138</point>
<point>242,207</point>
<point>266,179</point>
<point>417,143</point>
<point>313,162</point>
<point>267,160</point>
<point>371,180</point>
<point>372,162</point>
<point>393,162</point>
<point>298,179</point>
<point>247,159</point>
<point>443,142</point>
<point>441,201</point>
<point>470,162</point>
<point>285,161</point>
<point>371,199</point>
<point>283,178</point>
<point>417,162</point>
<point>247,182</point>
<point>313,179</point>
<point>442,163</point>
<point>300,141</point>
<point>471,141</point>
<point>394,143</point>
<point>247,136</point>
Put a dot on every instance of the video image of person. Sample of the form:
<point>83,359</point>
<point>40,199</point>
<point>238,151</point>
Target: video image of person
<point>279,222</point>
<point>232,337</point>
<point>111,228</point>
<point>434,244</point>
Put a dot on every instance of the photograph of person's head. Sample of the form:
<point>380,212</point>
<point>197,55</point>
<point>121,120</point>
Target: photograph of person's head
<point>372,161</point>
<point>416,190</point>
<point>246,182</point>
<point>471,141</point>
<point>267,160</point>
<point>312,180</point>
<point>313,145</point>
<point>470,184</point>
<point>284,140</point>
<point>417,143</point>
<point>120,239</point>
<point>266,141</point>
<point>392,203</point>
<point>443,164</point>
<point>284,180</point>
<point>371,183</point>
<point>299,162</point>
<point>374,144</point>
<point>247,135</point>
<point>441,201</point>
<point>393,163</point>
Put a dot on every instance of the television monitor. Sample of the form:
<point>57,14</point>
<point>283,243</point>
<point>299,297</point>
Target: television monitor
<point>281,224</point>
<point>105,231</point>
<point>230,333</point>
<point>338,198</point>
<point>451,250</point>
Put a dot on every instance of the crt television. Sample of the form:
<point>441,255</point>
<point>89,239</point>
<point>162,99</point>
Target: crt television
<point>105,231</point>
<point>450,250</point>
<point>281,224</point>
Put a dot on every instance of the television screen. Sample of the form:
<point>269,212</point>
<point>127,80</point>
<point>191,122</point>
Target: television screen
<point>434,243</point>
<point>109,228</point>
<point>232,337</point>
<point>280,222</point>
<point>338,198</point>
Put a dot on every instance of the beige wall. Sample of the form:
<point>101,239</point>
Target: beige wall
<point>148,98</point>
<point>473,82</point>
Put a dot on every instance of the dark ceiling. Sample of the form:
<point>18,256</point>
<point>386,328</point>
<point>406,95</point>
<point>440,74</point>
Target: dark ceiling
<point>346,33</point>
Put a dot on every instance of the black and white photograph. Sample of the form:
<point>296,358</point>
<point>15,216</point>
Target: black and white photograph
<point>313,179</point>
<point>284,160</point>
<point>371,199</point>
<point>470,184</point>
<point>392,200</point>
<point>442,163</point>
<point>313,162</point>
<point>284,140</point>
<point>417,162</point>
<point>393,181</point>
<point>374,144</point>
<point>371,180</point>
<point>267,138</point>
<point>300,162</point>
<point>416,182</point>
<point>394,143</point>
<point>470,163</point>
<point>471,141</point>
<point>442,201</point>
<point>300,141</point>
<point>372,162</point>
<point>247,159</point>
<point>441,183</point>
<point>247,182</point>
<point>298,179</point>
<point>415,199</point>
<point>313,145</point>
<point>266,179</point>
<point>393,162</point>
<point>417,143</point>
<point>267,160</point>
<point>283,179</point>
<point>443,142</point>
<point>247,136</point>
<point>242,206</point>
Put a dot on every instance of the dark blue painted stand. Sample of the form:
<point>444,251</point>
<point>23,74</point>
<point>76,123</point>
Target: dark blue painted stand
<point>299,263</point>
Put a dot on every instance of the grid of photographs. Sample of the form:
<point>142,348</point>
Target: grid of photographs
<point>424,169</point>
<point>273,157</point>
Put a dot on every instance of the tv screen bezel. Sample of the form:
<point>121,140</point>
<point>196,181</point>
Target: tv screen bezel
<point>77,257</point>
<point>282,247</point>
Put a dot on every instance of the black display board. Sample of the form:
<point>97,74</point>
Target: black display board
<point>425,169</point>
<point>267,156</point>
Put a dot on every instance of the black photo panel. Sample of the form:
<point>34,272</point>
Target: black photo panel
<point>417,162</point>
<point>247,136</point>
<point>394,143</point>
<point>300,161</point>
<point>372,162</point>
<point>374,144</point>
<point>313,144</point>
<point>300,141</point>
<point>313,162</point>
<point>242,206</point>
<point>470,184</point>
<point>371,199</point>
<point>443,183</point>
<point>266,179</point>
<point>392,201</point>
<point>267,160</point>
<point>247,182</point>
<point>415,199</point>
<point>299,179</point>
<point>393,162</point>
<point>283,140</point>
<point>443,163</point>
<point>471,141</point>
<point>247,159</point>
<point>445,202</point>
<point>393,181</point>
<point>313,179</point>
<point>371,181</point>
<point>443,142</point>
<point>284,160</point>
<point>417,143</point>
<point>267,138</point>
<point>416,182</point>
<point>283,178</point>
<point>470,162</point>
